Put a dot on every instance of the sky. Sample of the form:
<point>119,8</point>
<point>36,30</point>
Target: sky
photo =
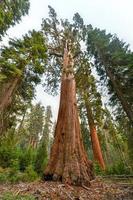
<point>116,16</point>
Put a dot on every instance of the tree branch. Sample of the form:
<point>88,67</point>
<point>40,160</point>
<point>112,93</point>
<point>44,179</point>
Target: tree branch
<point>55,54</point>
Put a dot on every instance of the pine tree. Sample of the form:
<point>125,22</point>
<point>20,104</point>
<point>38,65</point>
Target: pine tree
<point>35,122</point>
<point>44,143</point>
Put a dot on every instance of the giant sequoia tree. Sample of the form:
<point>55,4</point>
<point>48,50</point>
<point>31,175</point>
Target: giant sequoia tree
<point>68,160</point>
<point>90,101</point>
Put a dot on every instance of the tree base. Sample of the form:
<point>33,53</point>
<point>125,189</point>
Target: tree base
<point>68,160</point>
<point>77,182</point>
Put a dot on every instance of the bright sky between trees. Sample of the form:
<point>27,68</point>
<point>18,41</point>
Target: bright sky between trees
<point>116,16</point>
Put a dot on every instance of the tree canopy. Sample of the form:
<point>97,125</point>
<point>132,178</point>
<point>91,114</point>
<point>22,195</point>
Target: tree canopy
<point>82,59</point>
<point>11,13</point>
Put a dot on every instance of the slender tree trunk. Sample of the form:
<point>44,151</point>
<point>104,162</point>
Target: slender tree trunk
<point>22,121</point>
<point>109,160</point>
<point>32,142</point>
<point>120,151</point>
<point>68,159</point>
<point>124,103</point>
<point>94,137</point>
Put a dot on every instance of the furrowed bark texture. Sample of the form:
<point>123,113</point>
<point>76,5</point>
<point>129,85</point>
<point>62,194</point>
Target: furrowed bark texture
<point>6,96</point>
<point>94,137</point>
<point>68,160</point>
<point>7,93</point>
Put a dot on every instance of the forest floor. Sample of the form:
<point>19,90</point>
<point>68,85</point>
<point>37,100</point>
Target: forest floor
<point>99,190</point>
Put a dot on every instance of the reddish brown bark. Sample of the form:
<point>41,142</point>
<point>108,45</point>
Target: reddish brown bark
<point>32,142</point>
<point>7,93</point>
<point>68,160</point>
<point>94,137</point>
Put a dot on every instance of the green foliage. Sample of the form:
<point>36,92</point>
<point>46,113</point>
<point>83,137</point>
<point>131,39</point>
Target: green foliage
<point>88,95</point>
<point>29,174</point>
<point>86,135</point>
<point>118,169</point>
<point>44,145</point>
<point>7,156</point>
<point>106,51</point>
<point>16,163</point>
<point>41,157</point>
<point>23,60</point>
<point>113,59</point>
<point>57,33</point>
<point>24,57</point>
<point>11,13</point>
<point>115,169</point>
<point>11,196</point>
<point>3,175</point>
<point>26,158</point>
<point>35,122</point>
<point>10,175</point>
<point>17,157</point>
<point>14,176</point>
<point>97,169</point>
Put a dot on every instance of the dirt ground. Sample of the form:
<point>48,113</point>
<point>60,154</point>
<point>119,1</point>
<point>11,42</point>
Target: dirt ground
<point>99,190</point>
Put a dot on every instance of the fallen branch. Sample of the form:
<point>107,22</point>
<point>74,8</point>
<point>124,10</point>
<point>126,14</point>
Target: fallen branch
<point>83,186</point>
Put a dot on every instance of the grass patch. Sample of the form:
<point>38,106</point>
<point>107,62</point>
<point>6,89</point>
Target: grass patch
<point>11,196</point>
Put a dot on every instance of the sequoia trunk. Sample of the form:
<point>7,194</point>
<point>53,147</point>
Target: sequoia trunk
<point>94,137</point>
<point>7,93</point>
<point>6,96</point>
<point>68,160</point>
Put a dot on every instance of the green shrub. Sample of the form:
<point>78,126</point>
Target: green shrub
<point>7,155</point>
<point>11,196</point>
<point>10,175</point>
<point>118,169</point>
<point>3,177</point>
<point>41,158</point>
<point>29,174</point>
<point>16,163</point>
<point>97,169</point>
<point>15,178</point>
<point>26,158</point>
